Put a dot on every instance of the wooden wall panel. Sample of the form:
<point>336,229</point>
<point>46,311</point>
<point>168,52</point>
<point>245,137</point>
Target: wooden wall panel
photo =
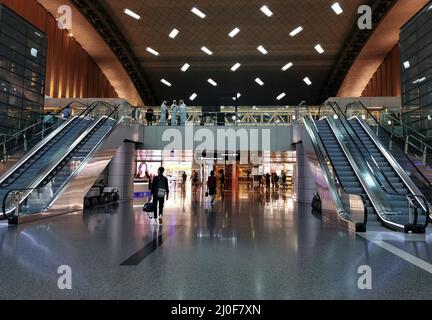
<point>386,82</point>
<point>70,71</point>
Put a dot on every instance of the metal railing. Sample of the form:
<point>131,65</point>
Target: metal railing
<point>243,117</point>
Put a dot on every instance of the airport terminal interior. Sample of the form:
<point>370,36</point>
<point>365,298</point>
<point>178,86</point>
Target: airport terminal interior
<point>215,150</point>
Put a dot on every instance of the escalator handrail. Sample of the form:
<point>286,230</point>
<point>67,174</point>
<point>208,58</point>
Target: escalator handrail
<point>83,162</point>
<point>43,175</point>
<point>414,191</point>
<point>23,132</point>
<point>83,115</point>
<point>102,119</point>
<point>325,148</point>
<point>342,117</point>
<point>406,156</point>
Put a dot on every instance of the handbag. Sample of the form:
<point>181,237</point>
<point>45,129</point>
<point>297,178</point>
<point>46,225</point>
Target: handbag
<point>149,207</point>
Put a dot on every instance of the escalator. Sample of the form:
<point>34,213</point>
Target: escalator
<point>362,169</point>
<point>38,182</point>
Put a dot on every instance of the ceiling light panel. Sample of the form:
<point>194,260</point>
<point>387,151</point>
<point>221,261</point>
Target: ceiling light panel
<point>193,97</point>
<point>296,31</point>
<point>319,49</point>
<point>152,51</point>
<point>207,50</point>
<point>167,83</point>
<point>174,33</point>
<point>212,82</point>
<point>234,32</point>
<point>262,50</point>
<point>198,12</point>
<point>132,14</point>
<point>259,81</point>
<point>337,8</point>
<point>266,11</point>
<point>287,66</point>
<point>185,67</point>
<point>281,96</point>
<point>307,81</point>
<point>235,67</point>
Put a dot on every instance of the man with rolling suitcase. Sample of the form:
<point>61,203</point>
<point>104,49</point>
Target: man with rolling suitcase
<point>159,190</point>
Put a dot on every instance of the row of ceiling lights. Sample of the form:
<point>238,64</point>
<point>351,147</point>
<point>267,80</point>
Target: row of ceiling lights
<point>264,9</point>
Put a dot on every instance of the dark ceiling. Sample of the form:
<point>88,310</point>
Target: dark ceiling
<point>159,17</point>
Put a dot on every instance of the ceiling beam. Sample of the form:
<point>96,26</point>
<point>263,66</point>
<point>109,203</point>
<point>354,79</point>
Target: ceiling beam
<point>353,46</point>
<point>97,15</point>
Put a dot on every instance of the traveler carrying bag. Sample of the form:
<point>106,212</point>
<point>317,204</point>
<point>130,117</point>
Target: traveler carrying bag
<point>149,207</point>
<point>161,192</point>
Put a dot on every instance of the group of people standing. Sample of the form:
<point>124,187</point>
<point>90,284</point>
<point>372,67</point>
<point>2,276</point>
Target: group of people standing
<point>179,114</point>
<point>273,181</point>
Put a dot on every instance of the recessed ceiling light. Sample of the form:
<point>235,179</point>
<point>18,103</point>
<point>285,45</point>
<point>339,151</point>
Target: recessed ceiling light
<point>168,84</point>
<point>198,12</point>
<point>152,51</point>
<point>174,33</point>
<point>212,82</point>
<point>307,81</point>
<point>262,50</point>
<point>233,33</point>
<point>131,14</point>
<point>337,8</point>
<point>193,97</point>
<point>281,96</point>
<point>206,50</point>
<point>287,66</point>
<point>407,64</point>
<point>420,80</point>
<point>319,49</point>
<point>266,11</point>
<point>235,67</point>
<point>296,31</point>
<point>259,81</point>
<point>185,67</point>
<point>238,95</point>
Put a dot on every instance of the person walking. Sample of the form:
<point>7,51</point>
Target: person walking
<point>184,179</point>
<point>267,179</point>
<point>222,179</point>
<point>174,112</point>
<point>284,180</point>
<point>183,113</point>
<point>159,191</point>
<point>211,186</point>
<point>195,182</point>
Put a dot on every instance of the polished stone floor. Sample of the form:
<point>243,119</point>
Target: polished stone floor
<point>251,245</point>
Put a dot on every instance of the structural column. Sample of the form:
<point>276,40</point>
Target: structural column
<point>121,170</point>
<point>304,184</point>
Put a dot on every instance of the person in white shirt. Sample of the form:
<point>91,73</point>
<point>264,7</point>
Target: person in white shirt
<point>174,110</point>
<point>163,114</point>
<point>183,113</point>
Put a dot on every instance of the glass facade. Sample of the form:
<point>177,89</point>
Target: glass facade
<point>23,51</point>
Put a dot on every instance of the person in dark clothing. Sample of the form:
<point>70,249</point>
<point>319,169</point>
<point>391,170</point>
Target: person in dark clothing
<point>211,185</point>
<point>267,178</point>
<point>149,116</point>
<point>222,179</point>
<point>159,190</point>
